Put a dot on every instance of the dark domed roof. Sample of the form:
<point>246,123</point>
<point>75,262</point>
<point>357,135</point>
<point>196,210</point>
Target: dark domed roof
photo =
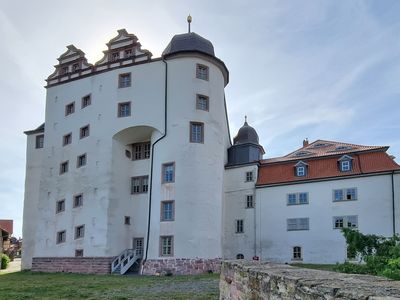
<point>189,42</point>
<point>246,134</point>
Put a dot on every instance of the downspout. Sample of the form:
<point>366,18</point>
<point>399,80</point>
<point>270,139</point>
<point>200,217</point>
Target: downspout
<point>152,160</point>
<point>393,206</point>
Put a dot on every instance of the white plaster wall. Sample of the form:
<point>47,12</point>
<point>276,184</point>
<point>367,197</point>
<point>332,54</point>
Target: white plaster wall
<point>199,168</point>
<point>236,190</point>
<point>396,183</point>
<point>322,243</point>
<point>31,199</point>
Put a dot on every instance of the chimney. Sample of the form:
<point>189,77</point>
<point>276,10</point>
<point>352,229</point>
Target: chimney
<point>305,143</point>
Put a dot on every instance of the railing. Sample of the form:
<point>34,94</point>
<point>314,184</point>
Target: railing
<point>125,260</point>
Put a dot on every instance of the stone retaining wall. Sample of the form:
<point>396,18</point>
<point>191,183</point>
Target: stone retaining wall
<point>87,265</point>
<point>260,280</point>
<point>182,266</point>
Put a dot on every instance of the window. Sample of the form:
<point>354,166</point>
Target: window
<point>297,253</point>
<point>81,160</point>
<point>297,198</point>
<point>298,224</point>
<point>124,80</point>
<point>64,70</point>
<point>249,176</point>
<point>202,72</point>
<point>166,246</point>
<point>167,210</point>
<point>196,132</point>
<point>345,194</point>
<point>141,151</point>
<point>345,222</point>
<point>301,171</point>
<point>75,67</point>
<point>79,231</point>
<point>138,245</point>
<point>249,201</point>
<point>239,226</point>
<point>139,184</point>
<point>84,132</point>
<point>114,56</point>
<point>127,220</point>
<point>39,141</point>
<point>60,206</point>
<point>240,256</point>
<point>70,108</point>
<point>86,101</point>
<point>79,253</point>
<point>78,200</point>
<point>64,167</point>
<point>128,53</point>
<point>128,154</point>
<point>124,109</point>
<point>345,166</point>
<point>61,236</point>
<point>168,172</point>
<point>67,139</point>
<point>202,102</point>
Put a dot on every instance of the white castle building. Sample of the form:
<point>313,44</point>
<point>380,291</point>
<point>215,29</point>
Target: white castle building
<point>134,167</point>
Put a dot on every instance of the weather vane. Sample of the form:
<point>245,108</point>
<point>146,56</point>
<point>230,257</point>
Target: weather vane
<point>189,20</point>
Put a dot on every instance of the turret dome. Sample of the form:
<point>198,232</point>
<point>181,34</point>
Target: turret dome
<point>246,134</point>
<point>189,42</point>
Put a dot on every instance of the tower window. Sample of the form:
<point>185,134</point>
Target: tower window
<point>139,184</point>
<point>202,102</point>
<point>79,253</point>
<point>124,80</point>
<point>39,141</point>
<point>81,160</point>
<point>78,200</point>
<point>239,226</point>
<point>64,167</point>
<point>86,101</point>
<point>67,139</point>
<point>61,237</point>
<point>127,220</point>
<point>114,56</point>
<point>124,109</point>
<point>201,72</point>
<point>167,210</point>
<point>249,176</point>
<point>79,231</point>
<point>196,132</point>
<point>70,108</point>
<point>168,172</point>
<point>249,201</point>
<point>60,206</point>
<point>84,132</point>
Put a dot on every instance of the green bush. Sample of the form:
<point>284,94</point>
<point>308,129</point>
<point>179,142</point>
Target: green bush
<point>5,260</point>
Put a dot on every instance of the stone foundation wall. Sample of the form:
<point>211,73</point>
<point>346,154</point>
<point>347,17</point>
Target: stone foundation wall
<point>259,280</point>
<point>181,266</point>
<point>86,265</point>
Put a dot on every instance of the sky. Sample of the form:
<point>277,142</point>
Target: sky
<point>298,69</point>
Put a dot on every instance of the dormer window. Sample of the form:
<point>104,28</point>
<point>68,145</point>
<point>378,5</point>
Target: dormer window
<point>301,169</point>
<point>345,163</point>
<point>114,56</point>
<point>128,53</point>
<point>75,67</point>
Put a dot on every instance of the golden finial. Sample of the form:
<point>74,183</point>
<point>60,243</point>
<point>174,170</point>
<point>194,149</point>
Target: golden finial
<point>189,20</point>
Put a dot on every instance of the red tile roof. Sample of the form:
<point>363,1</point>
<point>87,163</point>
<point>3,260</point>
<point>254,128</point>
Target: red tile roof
<point>322,159</point>
<point>7,225</point>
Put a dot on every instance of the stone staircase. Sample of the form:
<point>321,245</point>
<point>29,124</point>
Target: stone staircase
<point>125,260</point>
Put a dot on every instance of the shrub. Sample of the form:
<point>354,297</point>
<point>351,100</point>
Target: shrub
<point>5,260</point>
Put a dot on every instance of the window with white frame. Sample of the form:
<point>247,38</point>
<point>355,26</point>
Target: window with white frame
<point>141,151</point>
<point>124,109</point>
<point>297,198</point>
<point>114,56</point>
<point>249,176</point>
<point>345,222</point>
<point>166,245</point>
<point>196,132</point>
<point>139,184</point>
<point>239,226</point>
<point>168,172</point>
<point>39,141</point>
<point>345,163</point>
<point>138,245</point>
<point>297,255</point>
<point>202,102</point>
<point>167,210</point>
<point>298,224</point>
<point>201,72</point>
<point>124,80</point>
<point>249,201</point>
<point>345,194</point>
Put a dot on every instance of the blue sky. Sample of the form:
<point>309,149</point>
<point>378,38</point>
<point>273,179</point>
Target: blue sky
<point>299,69</point>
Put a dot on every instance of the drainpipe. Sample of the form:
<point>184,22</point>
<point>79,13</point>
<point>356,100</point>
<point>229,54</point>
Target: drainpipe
<point>393,206</point>
<point>152,160</point>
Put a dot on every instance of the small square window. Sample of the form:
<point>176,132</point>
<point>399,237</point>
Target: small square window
<point>64,167</point>
<point>78,200</point>
<point>292,199</point>
<point>249,176</point>
<point>67,139</point>
<point>124,80</point>
<point>61,237</point>
<point>114,56</point>
<point>249,201</point>
<point>39,141</point>
<point>239,226</point>
<point>297,253</point>
<point>70,108</point>
<point>167,211</point>
<point>168,172</point>
<point>81,160</point>
<point>76,67</point>
<point>196,132</point>
<point>128,53</point>
<point>202,72</point>
<point>202,102</point>
<point>60,206</point>
<point>303,198</point>
<point>166,246</point>
<point>127,220</point>
<point>301,171</point>
<point>124,109</point>
<point>86,101</point>
<point>79,253</point>
<point>84,132</point>
<point>79,231</point>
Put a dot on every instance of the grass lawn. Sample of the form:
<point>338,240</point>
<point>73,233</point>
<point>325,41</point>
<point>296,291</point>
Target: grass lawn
<point>315,266</point>
<point>28,285</point>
